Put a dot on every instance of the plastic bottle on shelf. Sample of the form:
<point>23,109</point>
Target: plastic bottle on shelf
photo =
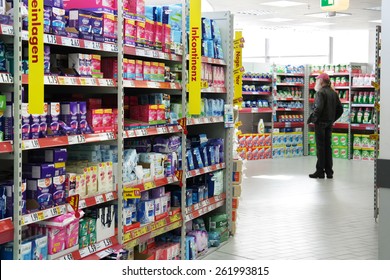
<point>260,127</point>
<point>359,116</point>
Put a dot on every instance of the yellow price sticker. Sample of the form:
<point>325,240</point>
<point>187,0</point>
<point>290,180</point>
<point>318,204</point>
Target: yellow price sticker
<point>377,107</point>
<point>375,85</point>
<point>374,136</point>
<point>41,216</point>
<point>205,84</point>
<point>149,185</point>
<point>238,133</point>
<point>238,124</point>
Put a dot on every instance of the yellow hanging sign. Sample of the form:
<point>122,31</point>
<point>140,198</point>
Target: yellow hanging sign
<point>35,57</point>
<point>195,61</point>
<point>238,69</point>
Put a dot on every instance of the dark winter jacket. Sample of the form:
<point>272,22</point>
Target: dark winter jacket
<point>327,106</point>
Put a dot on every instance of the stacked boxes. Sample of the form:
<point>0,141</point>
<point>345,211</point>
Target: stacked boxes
<point>339,145</point>
<point>255,146</point>
<point>363,147</point>
<point>287,145</point>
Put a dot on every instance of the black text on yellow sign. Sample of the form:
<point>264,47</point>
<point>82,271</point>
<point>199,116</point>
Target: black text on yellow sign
<point>195,62</point>
<point>132,193</point>
<point>238,69</point>
<point>35,57</point>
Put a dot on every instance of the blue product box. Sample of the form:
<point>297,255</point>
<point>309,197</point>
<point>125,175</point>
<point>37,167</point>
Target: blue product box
<point>39,247</point>
<point>7,251</point>
<point>189,197</point>
<point>190,160</point>
<point>47,17</point>
<point>145,211</point>
<point>176,199</point>
<point>81,21</point>
<point>215,31</point>
<point>198,163</point>
<point>58,22</point>
<point>157,192</point>
<point>38,170</point>
<point>3,202</point>
<point>96,23</point>
<point>206,29</point>
<point>25,122</point>
<point>210,48</point>
<point>10,198</point>
<point>69,115</point>
<point>5,19</point>
<point>39,193</point>
<point>58,190</point>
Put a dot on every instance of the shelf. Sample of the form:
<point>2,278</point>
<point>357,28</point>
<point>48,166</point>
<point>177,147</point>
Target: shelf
<point>265,80</point>
<point>43,215</point>
<point>213,60</point>
<point>204,120</point>
<point>331,73</point>
<point>205,206</point>
<point>95,251</point>
<point>6,230</point>
<point>290,109</point>
<point>288,99</point>
<point>214,90</point>
<point>291,84</point>
<point>145,232</point>
<point>357,126</point>
<point>255,110</point>
<point>160,130</point>
<point>362,87</point>
<point>208,169</point>
<point>50,142</point>
<point>152,184</point>
<point>336,87</point>
<point>288,124</point>
<point>54,80</point>
<point>291,74</point>
<point>363,105</point>
<point>149,84</point>
<point>144,52</point>
<point>336,125</point>
<point>210,250</point>
<point>256,93</point>
<point>98,199</point>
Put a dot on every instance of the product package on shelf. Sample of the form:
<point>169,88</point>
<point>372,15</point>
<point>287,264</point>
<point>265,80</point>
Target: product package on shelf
<point>287,145</point>
<point>363,147</point>
<point>339,145</point>
<point>255,146</point>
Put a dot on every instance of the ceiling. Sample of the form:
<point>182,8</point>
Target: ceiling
<point>253,13</point>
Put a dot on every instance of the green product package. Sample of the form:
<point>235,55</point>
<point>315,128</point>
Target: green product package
<point>83,227</point>
<point>312,138</point>
<point>357,140</point>
<point>312,150</point>
<point>366,154</point>
<point>343,139</point>
<point>343,152</point>
<point>336,152</point>
<point>357,154</point>
<point>366,143</point>
<point>92,238</point>
<point>218,221</point>
<point>335,139</point>
<point>372,155</point>
<point>84,241</point>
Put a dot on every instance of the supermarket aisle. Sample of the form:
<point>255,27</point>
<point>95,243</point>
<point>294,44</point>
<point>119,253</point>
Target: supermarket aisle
<point>283,214</point>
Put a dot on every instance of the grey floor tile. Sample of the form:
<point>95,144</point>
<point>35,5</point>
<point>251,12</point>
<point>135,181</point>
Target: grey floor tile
<point>283,214</point>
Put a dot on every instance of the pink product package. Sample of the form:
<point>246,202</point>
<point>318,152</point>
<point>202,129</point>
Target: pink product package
<point>131,69</point>
<point>139,70</point>
<point>107,118</point>
<point>160,115</point>
<point>91,5</point>
<point>72,234</point>
<point>56,239</point>
<point>166,38</point>
<point>149,33</point>
<point>130,32</point>
<point>158,36</point>
<point>140,34</point>
<point>110,30</point>
<point>96,118</point>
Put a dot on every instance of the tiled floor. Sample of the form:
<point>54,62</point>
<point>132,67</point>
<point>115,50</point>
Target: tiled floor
<point>283,214</point>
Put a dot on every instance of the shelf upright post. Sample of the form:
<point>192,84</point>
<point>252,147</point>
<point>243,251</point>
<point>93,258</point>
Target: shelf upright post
<point>120,141</point>
<point>377,113</point>
<point>306,112</point>
<point>350,108</point>
<point>184,82</point>
<point>17,141</point>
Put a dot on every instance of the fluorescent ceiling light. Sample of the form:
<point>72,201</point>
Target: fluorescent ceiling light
<point>318,23</point>
<point>328,15</point>
<point>277,19</point>
<point>283,4</point>
<point>256,12</point>
<point>379,8</point>
<point>376,21</point>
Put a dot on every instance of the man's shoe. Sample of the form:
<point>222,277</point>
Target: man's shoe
<point>317,175</point>
<point>329,176</point>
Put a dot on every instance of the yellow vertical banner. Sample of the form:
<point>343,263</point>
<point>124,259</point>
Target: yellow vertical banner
<point>195,58</point>
<point>35,57</point>
<point>238,69</point>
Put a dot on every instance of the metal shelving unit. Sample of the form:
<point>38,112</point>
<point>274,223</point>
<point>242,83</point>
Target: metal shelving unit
<point>214,125</point>
<point>377,116</point>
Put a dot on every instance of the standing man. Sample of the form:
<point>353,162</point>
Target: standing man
<point>327,109</point>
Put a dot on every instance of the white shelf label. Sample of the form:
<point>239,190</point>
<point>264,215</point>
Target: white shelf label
<point>109,196</point>
<point>50,39</point>
<point>70,81</point>
<point>171,129</point>
<point>162,130</point>
<point>51,80</point>
<point>107,136</point>
<point>76,139</point>
<point>173,85</point>
<point>107,82</point>
<point>6,78</point>
<point>110,47</point>
<point>152,84</point>
<point>106,243</point>
<point>141,132</point>
<point>68,257</point>
<point>130,133</point>
<point>99,199</point>
<point>140,52</point>
<point>148,53</point>
<point>7,29</point>
<point>96,46</point>
<point>82,204</point>
<point>24,35</point>
<point>105,253</point>
<point>156,54</point>
<point>30,144</point>
<point>129,83</point>
<point>70,42</point>
<point>87,251</point>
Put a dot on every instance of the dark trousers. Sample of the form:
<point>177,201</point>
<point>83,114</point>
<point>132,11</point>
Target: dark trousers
<point>323,132</point>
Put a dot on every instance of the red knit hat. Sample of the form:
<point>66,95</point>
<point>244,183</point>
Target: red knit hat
<point>323,76</point>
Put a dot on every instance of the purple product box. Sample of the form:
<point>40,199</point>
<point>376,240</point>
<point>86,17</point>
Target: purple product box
<point>5,19</point>
<point>53,3</point>
<point>34,126</point>
<point>39,193</point>
<point>9,187</point>
<point>25,122</point>
<point>59,171</point>
<point>58,21</point>
<point>158,192</point>
<point>81,20</point>
<point>38,170</point>
<point>96,22</point>
<point>144,195</point>
<point>83,124</point>
<point>53,114</point>
<point>48,155</point>
<point>43,122</point>
<point>8,123</point>
<point>47,17</point>
<point>46,64</point>
<point>58,190</point>
<point>69,115</point>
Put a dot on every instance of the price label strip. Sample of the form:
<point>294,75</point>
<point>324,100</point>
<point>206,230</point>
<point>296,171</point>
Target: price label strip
<point>30,144</point>
<point>76,139</point>
<point>99,199</point>
<point>51,80</point>
<point>82,204</point>
<point>110,196</point>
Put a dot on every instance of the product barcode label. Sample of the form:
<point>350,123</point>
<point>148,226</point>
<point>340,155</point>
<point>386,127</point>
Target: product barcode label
<point>7,29</point>
<point>109,196</point>
<point>106,243</point>
<point>130,133</point>
<point>6,78</point>
<point>107,82</point>
<point>162,130</point>
<point>99,199</point>
<point>50,39</point>
<point>140,52</point>
<point>51,80</point>
<point>173,85</point>
<point>105,253</point>
<point>68,257</point>
<point>171,129</point>
<point>82,204</point>
<point>110,47</point>
<point>141,132</point>
<point>129,83</point>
